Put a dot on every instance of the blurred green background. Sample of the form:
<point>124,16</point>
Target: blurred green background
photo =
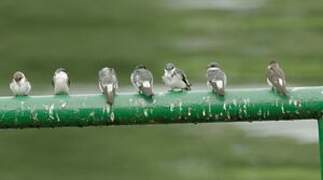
<point>39,36</point>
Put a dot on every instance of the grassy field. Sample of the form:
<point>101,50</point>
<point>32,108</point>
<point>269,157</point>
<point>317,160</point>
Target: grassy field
<point>39,36</point>
<point>149,152</point>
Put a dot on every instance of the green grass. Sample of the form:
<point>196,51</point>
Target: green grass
<point>38,36</point>
<point>149,152</point>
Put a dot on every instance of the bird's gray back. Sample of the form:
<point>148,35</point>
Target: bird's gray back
<point>182,74</point>
<point>141,75</point>
<point>215,75</point>
<point>108,77</point>
<point>275,73</point>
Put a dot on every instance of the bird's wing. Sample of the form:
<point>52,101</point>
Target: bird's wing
<point>146,75</point>
<point>184,77</point>
<point>100,86</point>
<point>115,81</point>
<point>137,78</point>
<point>268,73</point>
<point>225,79</point>
<point>150,75</point>
<point>279,71</point>
<point>217,77</point>
<point>277,76</point>
<point>132,78</point>
<point>211,75</point>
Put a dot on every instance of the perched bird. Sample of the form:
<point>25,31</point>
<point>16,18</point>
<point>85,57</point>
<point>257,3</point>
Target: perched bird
<point>108,83</point>
<point>276,78</point>
<point>142,80</point>
<point>20,86</point>
<point>216,79</point>
<point>61,82</point>
<point>175,78</point>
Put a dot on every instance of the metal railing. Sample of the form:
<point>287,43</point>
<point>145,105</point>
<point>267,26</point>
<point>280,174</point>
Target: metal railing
<point>170,107</point>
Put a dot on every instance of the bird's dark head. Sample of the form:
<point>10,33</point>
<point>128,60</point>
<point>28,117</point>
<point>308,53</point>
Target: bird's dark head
<point>141,66</point>
<point>273,62</point>
<point>214,65</point>
<point>169,66</point>
<point>18,76</point>
<point>60,70</point>
<point>105,71</point>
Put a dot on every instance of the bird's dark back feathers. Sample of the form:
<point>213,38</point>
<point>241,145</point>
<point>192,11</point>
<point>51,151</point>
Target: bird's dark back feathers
<point>184,77</point>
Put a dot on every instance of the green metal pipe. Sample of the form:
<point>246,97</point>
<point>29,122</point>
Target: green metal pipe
<point>168,107</point>
<point>320,128</point>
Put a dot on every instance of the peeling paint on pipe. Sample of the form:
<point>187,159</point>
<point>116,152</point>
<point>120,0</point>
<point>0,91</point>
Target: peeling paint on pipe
<point>170,107</point>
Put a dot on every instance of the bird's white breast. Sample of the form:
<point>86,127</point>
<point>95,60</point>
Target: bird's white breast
<point>174,81</point>
<point>61,76</point>
<point>21,89</point>
<point>61,83</point>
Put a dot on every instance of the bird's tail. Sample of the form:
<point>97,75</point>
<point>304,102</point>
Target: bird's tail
<point>217,90</point>
<point>109,92</point>
<point>188,87</point>
<point>284,91</point>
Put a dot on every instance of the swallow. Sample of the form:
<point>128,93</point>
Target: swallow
<point>216,79</point>
<point>108,84</point>
<point>61,82</point>
<point>276,78</point>
<point>175,78</point>
<point>20,86</point>
<point>142,80</point>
